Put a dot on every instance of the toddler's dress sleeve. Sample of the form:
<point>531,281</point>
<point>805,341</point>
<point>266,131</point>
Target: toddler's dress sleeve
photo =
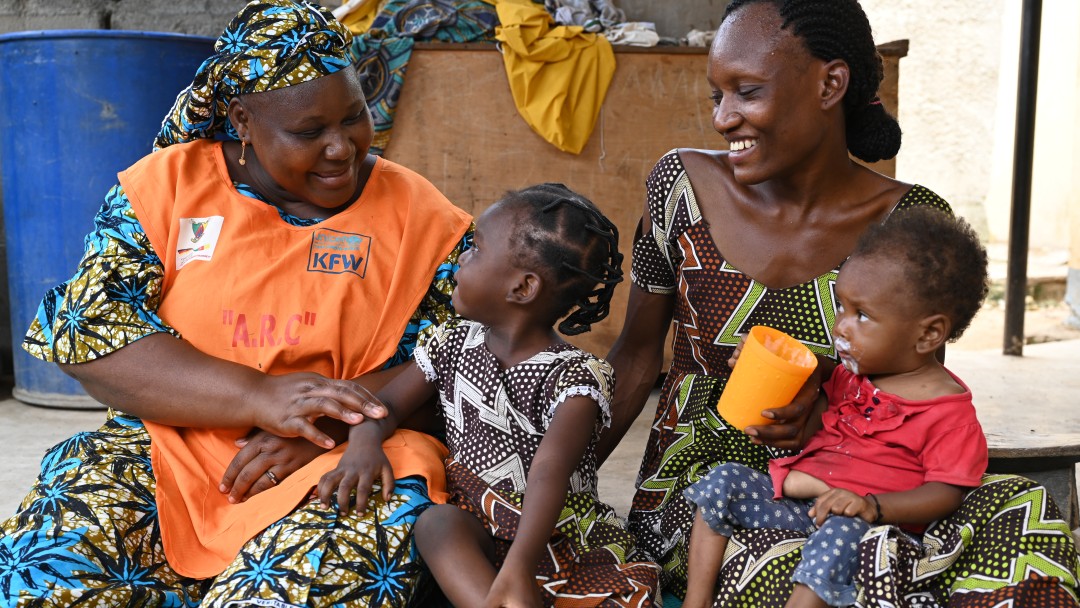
<point>587,376</point>
<point>434,353</point>
<point>958,456</point>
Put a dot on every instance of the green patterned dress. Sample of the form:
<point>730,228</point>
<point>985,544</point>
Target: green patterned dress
<point>983,554</point>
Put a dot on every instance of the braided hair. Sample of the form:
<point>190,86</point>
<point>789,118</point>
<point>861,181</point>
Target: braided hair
<point>572,244</point>
<point>839,29</point>
<point>943,261</point>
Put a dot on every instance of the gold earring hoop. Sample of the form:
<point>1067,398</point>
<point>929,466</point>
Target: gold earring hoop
<point>243,151</point>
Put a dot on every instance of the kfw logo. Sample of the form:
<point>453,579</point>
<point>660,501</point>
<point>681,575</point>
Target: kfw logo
<point>336,252</point>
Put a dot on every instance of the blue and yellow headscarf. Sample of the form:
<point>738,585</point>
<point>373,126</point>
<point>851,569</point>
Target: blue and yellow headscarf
<point>270,44</point>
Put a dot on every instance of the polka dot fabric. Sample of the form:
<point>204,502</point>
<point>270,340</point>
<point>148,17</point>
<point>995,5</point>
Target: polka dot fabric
<point>714,305</point>
<point>734,496</point>
<point>495,417</point>
<point>495,421</point>
<point>591,560</point>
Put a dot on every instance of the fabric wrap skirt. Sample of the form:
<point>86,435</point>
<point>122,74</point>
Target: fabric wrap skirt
<point>591,560</point>
<point>88,535</point>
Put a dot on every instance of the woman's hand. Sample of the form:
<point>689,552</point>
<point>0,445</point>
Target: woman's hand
<point>290,404</point>
<point>260,452</point>
<point>361,465</point>
<point>734,358</point>
<point>165,380</point>
<point>513,588</point>
<point>842,502</point>
<point>796,422</point>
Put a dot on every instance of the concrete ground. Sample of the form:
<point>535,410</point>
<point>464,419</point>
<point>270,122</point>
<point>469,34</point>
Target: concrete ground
<point>1047,376</point>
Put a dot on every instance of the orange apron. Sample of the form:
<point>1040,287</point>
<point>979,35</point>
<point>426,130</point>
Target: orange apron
<point>241,285</point>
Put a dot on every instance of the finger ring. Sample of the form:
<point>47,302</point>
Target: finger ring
<point>272,477</point>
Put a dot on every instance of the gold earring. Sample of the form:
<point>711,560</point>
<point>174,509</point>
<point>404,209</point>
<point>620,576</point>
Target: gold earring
<point>243,150</point>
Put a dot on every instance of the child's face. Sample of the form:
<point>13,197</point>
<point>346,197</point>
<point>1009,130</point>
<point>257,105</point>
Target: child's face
<point>485,270</point>
<point>877,325</point>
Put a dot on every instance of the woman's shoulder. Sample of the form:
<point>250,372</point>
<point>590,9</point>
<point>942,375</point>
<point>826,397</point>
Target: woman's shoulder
<point>692,160</point>
<point>919,195</point>
<point>671,186</point>
<point>703,155</point>
<point>697,171</point>
<point>193,157</point>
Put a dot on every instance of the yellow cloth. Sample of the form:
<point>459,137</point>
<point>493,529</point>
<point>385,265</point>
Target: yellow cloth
<point>558,75</point>
<point>358,15</point>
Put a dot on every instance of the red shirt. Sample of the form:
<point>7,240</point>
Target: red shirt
<point>876,442</point>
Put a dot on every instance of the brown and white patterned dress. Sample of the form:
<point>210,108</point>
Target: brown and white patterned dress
<point>496,419</point>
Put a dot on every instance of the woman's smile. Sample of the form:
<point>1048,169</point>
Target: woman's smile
<point>741,149</point>
<point>335,179</point>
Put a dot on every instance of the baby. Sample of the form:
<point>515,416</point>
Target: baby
<point>899,443</point>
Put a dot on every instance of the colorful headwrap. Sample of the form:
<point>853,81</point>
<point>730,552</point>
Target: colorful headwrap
<point>270,44</point>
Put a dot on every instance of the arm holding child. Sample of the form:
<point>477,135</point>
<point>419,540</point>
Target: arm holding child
<point>262,450</point>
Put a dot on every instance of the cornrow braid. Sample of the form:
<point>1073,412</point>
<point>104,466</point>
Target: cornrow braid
<point>564,235</point>
<point>839,29</point>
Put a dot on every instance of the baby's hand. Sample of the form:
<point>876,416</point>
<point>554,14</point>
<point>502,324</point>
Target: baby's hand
<point>842,502</point>
<point>738,351</point>
<point>360,466</point>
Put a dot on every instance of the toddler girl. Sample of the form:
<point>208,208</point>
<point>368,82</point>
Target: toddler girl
<point>523,409</point>
<point>899,442</point>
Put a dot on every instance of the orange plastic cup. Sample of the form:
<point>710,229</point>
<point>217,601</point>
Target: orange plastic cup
<point>771,369</point>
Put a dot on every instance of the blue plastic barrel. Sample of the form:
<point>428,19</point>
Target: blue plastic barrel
<point>76,107</point>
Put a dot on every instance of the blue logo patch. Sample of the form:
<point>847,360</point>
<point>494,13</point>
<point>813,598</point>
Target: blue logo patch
<point>336,252</point>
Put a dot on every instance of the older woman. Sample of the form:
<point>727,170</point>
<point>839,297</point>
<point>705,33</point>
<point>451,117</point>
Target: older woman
<point>236,282</point>
<point>755,236</point>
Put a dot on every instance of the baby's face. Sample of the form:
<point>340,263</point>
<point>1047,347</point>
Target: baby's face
<point>877,323</point>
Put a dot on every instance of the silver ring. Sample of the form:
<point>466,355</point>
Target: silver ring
<point>272,477</point>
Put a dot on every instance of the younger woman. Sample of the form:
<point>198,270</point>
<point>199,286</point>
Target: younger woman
<point>900,442</point>
<point>523,409</point>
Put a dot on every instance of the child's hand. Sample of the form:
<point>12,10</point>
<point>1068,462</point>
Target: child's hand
<point>513,589</point>
<point>738,351</point>
<point>842,502</point>
<point>358,469</point>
